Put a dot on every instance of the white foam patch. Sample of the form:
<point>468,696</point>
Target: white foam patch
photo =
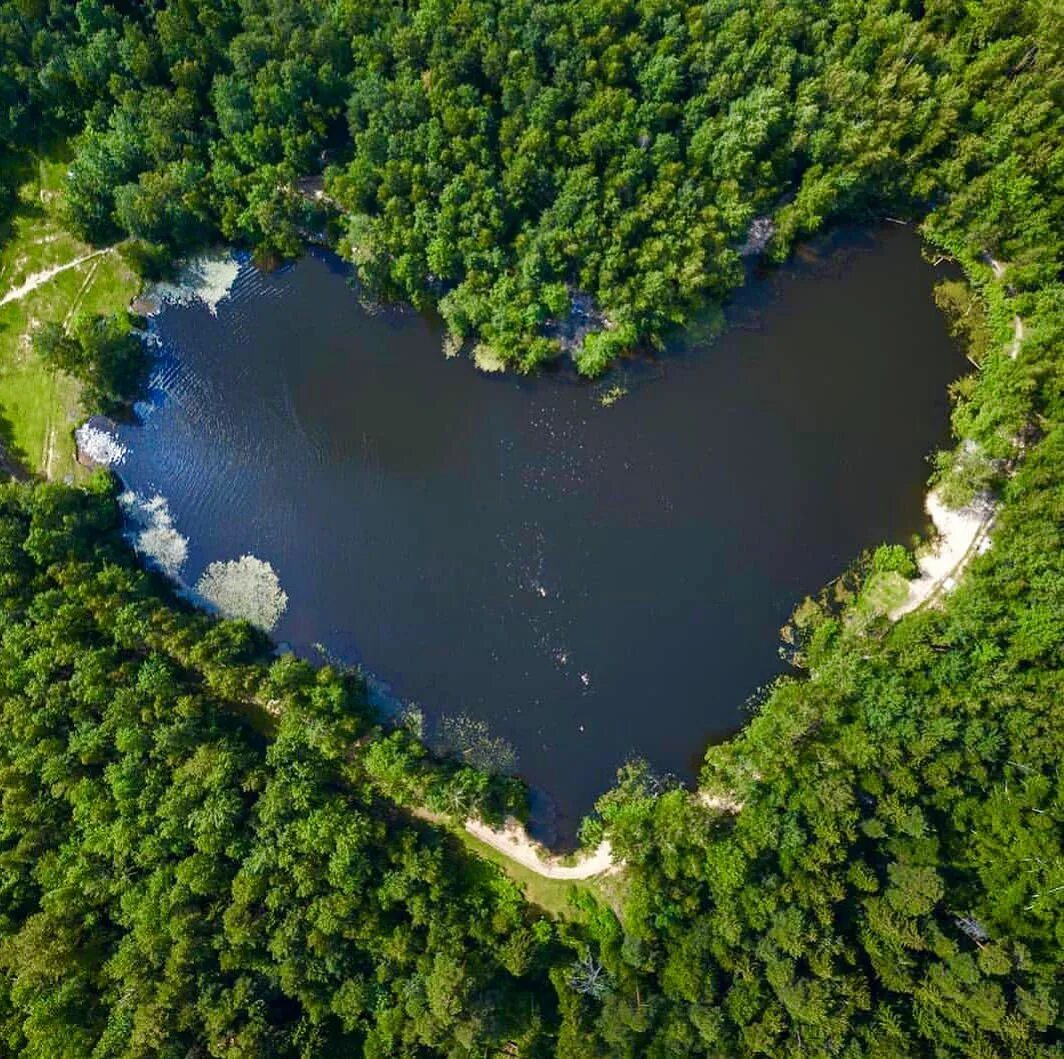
<point>246,588</point>
<point>153,534</point>
<point>99,446</point>
<point>208,279</point>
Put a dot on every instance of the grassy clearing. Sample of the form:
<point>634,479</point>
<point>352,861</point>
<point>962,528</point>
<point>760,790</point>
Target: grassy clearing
<point>38,409</point>
<point>883,592</point>
<point>554,896</point>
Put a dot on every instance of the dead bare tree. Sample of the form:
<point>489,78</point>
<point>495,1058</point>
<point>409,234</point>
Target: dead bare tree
<point>588,976</point>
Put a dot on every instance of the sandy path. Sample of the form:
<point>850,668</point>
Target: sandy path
<point>1018,332</point>
<point>513,842</point>
<point>38,279</point>
<point>962,534</point>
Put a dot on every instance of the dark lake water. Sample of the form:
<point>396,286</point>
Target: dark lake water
<point>594,582</point>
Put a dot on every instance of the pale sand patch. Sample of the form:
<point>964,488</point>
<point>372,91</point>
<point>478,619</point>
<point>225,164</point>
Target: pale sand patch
<point>964,533</point>
<point>726,802</point>
<point>513,842</point>
<point>38,279</point>
<point>961,534</point>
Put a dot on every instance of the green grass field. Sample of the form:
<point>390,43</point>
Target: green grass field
<point>882,592</point>
<point>38,409</point>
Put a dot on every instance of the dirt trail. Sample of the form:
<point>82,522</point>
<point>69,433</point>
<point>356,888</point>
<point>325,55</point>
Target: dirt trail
<point>1018,332</point>
<point>90,275</point>
<point>48,458</point>
<point>38,279</point>
<point>962,534</point>
<point>1018,335</point>
<point>513,842</point>
<point>49,454</point>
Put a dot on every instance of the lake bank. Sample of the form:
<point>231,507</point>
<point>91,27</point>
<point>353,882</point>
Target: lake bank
<point>509,549</point>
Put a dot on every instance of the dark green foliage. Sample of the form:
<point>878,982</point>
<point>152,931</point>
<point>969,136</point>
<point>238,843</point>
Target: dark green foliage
<point>967,317</point>
<point>500,157</point>
<point>893,558</point>
<point>102,352</point>
<point>173,882</point>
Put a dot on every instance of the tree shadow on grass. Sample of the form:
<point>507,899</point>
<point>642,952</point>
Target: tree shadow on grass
<point>16,170</point>
<point>13,461</point>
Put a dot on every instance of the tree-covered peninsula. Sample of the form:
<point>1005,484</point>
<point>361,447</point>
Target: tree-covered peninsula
<point>503,158</point>
<point>206,849</point>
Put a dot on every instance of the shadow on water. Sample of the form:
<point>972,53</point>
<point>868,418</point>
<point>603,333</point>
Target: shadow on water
<point>593,582</point>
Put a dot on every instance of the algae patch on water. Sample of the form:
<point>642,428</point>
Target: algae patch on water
<point>153,533</point>
<point>207,279</point>
<point>246,588</point>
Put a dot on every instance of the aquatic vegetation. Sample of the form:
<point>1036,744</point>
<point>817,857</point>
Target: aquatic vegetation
<point>487,360</point>
<point>99,445</point>
<point>154,535</point>
<point>246,588</point>
<point>208,279</point>
<point>469,739</point>
<point>611,396</point>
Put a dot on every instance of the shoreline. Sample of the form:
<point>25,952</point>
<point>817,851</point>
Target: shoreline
<point>961,534</point>
<point>514,842</point>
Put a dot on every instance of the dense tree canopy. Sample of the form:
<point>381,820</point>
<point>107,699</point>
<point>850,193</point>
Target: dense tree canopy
<point>496,156</point>
<point>172,879</point>
<point>875,866</point>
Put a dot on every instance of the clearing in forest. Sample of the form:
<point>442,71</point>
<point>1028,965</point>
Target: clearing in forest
<point>46,274</point>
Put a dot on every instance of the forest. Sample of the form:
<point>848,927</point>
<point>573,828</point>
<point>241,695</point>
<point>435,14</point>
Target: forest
<point>208,849</point>
<point>504,160</point>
